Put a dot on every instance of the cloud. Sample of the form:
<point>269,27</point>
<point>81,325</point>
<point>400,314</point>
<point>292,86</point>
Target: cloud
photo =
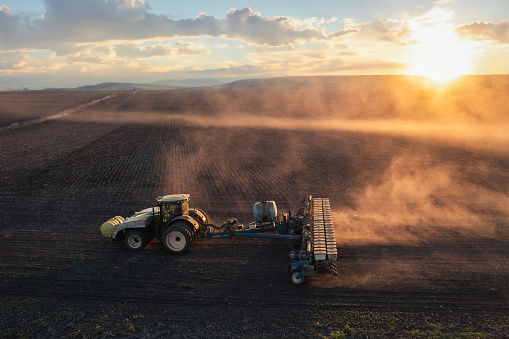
<point>77,21</point>
<point>134,51</point>
<point>5,10</point>
<point>343,32</point>
<point>131,4</point>
<point>498,33</point>
<point>18,62</point>
<point>107,53</point>
<point>251,26</point>
<point>86,53</point>
<point>12,61</point>
<point>385,30</point>
<point>100,36</point>
<point>320,58</point>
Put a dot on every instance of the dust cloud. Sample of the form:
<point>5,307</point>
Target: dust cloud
<point>413,216</point>
<point>418,201</point>
<point>469,112</point>
<point>416,193</point>
<point>424,224</point>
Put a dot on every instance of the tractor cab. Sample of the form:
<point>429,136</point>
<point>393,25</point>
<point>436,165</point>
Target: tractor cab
<point>171,206</point>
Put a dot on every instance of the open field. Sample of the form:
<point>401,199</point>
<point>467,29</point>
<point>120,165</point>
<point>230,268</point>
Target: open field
<point>420,203</point>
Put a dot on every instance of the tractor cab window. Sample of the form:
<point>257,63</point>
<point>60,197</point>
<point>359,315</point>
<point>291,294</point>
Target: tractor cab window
<point>170,211</point>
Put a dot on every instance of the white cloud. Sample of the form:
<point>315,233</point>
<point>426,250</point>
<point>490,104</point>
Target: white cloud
<point>383,30</point>
<point>135,51</point>
<point>78,21</point>
<point>321,58</point>
<point>276,31</point>
<point>188,48</point>
<point>130,3</point>
<point>114,39</point>
<point>18,62</point>
<point>498,33</point>
<point>12,61</point>
<point>5,10</point>
<point>85,53</point>
<point>92,53</point>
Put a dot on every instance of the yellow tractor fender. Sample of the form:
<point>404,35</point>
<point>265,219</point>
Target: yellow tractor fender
<point>188,219</point>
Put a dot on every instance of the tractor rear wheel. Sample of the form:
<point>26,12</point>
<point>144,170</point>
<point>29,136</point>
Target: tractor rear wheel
<point>136,240</point>
<point>177,238</point>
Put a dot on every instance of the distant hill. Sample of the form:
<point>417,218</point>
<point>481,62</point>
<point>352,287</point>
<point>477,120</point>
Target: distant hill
<point>156,86</point>
<point>348,83</point>
<point>115,86</point>
<point>189,82</point>
<point>311,81</point>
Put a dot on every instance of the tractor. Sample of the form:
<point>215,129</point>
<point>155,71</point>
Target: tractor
<point>310,232</point>
<point>170,220</point>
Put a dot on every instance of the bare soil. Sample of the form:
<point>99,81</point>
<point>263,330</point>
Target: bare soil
<point>421,225</point>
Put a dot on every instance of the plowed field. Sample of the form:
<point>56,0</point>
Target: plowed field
<point>420,210</point>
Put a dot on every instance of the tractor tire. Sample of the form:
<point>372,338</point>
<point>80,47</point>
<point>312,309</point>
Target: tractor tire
<point>136,240</point>
<point>177,238</point>
<point>193,234</point>
<point>293,276</point>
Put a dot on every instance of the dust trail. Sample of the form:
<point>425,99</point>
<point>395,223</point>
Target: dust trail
<point>482,137</point>
<point>424,222</point>
<point>476,136</point>
<point>418,201</point>
<point>62,114</point>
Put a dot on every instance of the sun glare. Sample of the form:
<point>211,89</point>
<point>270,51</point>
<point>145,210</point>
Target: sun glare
<point>439,53</point>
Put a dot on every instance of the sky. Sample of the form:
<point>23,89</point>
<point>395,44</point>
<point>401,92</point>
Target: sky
<point>66,43</point>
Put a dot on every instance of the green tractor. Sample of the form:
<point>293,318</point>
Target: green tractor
<point>170,220</point>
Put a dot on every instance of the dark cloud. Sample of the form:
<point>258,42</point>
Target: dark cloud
<point>78,21</point>
<point>486,31</point>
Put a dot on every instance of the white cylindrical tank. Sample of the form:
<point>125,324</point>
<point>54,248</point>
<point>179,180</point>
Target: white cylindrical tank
<point>265,211</point>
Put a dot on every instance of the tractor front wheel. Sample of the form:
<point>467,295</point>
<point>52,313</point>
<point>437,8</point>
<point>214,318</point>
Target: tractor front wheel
<point>136,240</point>
<point>177,238</point>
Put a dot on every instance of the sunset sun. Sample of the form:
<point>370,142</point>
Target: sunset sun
<point>439,54</point>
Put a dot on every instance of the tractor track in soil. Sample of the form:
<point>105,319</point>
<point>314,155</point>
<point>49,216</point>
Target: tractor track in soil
<point>53,205</point>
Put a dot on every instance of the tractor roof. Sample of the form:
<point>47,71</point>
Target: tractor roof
<point>173,198</point>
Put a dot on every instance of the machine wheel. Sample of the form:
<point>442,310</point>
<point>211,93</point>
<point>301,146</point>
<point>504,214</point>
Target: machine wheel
<point>294,278</point>
<point>136,240</point>
<point>177,238</point>
<point>290,267</point>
